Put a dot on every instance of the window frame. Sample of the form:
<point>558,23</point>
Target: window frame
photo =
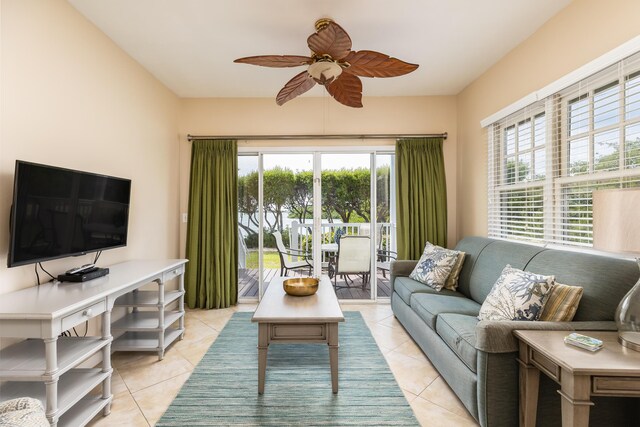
<point>557,219</point>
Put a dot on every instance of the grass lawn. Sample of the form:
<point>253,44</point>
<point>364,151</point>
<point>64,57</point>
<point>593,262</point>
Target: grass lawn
<point>271,259</point>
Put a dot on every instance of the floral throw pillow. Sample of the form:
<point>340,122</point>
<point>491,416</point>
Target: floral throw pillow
<point>434,266</point>
<point>516,295</point>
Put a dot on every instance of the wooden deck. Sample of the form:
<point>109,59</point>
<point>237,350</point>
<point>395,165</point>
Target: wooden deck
<point>248,285</point>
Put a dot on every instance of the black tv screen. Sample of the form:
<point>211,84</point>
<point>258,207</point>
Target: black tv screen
<point>60,212</point>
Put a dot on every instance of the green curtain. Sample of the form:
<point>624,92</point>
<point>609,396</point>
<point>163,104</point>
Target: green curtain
<point>421,195</point>
<point>212,232</point>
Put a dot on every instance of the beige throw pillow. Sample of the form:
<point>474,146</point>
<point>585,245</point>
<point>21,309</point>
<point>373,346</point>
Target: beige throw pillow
<point>562,303</point>
<point>452,280</point>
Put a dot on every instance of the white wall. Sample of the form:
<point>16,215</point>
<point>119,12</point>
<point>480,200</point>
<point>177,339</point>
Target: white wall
<point>581,32</point>
<point>71,98</point>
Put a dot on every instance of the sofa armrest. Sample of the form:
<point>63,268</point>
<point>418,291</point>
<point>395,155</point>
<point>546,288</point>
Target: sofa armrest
<point>400,268</point>
<point>497,336</point>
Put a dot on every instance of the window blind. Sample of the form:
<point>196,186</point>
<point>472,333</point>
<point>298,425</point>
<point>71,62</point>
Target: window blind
<point>545,160</point>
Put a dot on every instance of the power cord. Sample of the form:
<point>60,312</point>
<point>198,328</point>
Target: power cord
<point>50,275</point>
<point>97,256</point>
<point>35,268</point>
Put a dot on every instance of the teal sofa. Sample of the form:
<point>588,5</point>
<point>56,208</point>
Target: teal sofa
<point>478,358</point>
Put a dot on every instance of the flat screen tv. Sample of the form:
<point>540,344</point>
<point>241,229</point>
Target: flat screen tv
<point>60,212</point>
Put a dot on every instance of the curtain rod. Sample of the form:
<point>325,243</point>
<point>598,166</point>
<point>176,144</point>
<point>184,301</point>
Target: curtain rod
<point>293,137</point>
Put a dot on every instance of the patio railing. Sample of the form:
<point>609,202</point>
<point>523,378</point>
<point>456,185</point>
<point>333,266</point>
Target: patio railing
<point>300,234</point>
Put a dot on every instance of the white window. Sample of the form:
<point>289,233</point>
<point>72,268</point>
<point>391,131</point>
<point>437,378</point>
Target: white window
<point>546,159</point>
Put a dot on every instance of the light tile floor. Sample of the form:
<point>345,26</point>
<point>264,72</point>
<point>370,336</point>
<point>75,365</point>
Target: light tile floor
<point>143,387</point>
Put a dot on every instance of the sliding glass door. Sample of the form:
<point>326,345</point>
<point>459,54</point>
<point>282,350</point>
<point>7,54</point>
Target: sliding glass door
<point>385,243</point>
<point>347,235</point>
<point>248,226</point>
<point>287,212</point>
<point>294,209</point>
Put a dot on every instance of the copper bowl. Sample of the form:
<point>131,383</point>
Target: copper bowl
<point>301,286</point>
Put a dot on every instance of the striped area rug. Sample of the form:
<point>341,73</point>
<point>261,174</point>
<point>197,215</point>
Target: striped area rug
<point>223,388</point>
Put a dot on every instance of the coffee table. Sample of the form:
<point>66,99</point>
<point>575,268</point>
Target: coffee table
<point>284,318</point>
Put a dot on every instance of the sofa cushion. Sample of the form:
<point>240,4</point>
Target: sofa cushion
<point>605,280</point>
<point>472,247</point>
<point>490,263</point>
<point>429,306</point>
<point>458,331</point>
<point>405,286</point>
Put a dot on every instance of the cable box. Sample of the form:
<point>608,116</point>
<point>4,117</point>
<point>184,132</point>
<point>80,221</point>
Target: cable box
<point>83,276</point>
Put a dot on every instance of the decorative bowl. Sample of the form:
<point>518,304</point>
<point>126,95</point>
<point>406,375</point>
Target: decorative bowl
<point>300,286</point>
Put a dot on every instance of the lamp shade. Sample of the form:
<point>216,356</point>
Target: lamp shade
<point>616,227</point>
<point>616,220</point>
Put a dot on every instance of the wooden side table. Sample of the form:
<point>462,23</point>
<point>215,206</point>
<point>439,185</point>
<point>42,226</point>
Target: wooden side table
<point>612,371</point>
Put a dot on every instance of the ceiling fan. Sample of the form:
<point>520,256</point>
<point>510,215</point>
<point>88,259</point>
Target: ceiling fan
<point>332,64</point>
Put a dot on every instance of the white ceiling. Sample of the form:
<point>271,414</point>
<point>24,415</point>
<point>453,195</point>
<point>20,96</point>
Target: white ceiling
<point>190,45</point>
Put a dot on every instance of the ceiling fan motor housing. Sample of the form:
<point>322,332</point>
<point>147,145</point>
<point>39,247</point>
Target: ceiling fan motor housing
<point>324,71</point>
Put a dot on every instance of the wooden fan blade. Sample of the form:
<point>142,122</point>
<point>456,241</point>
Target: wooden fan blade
<point>347,90</point>
<point>367,63</point>
<point>278,61</point>
<point>294,87</point>
<point>332,40</point>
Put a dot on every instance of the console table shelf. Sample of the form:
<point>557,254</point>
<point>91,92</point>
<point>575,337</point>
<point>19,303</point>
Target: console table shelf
<point>45,364</point>
<point>83,411</point>
<point>26,360</point>
<point>145,341</point>
<point>72,387</point>
<point>146,321</point>
<point>153,323</point>
<point>147,299</point>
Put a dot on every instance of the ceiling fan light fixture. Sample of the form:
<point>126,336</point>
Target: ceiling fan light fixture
<point>324,72</point>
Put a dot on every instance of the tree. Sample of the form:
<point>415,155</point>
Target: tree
<point>510,172</point>
<point>383,193</point>
<point>360,183</point>
<point>278,184</point>
<point>248,202</point>
<point>346,192</point>
<point>300,204</point>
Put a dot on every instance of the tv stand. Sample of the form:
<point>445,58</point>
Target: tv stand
<point>45,365</point>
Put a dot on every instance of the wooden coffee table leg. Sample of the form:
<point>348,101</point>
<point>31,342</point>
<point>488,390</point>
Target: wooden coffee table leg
<point>263,346</point>
<point>333,355</point>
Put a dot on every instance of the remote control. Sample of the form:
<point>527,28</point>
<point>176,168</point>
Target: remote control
<point>80,269</point>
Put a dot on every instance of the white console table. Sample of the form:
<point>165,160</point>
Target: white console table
<point>44,365</point>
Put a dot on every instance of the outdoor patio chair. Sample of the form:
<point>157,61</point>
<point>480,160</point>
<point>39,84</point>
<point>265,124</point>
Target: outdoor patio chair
<point>353,258</point>
<point>384,260</point>
<point>287,264</point>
